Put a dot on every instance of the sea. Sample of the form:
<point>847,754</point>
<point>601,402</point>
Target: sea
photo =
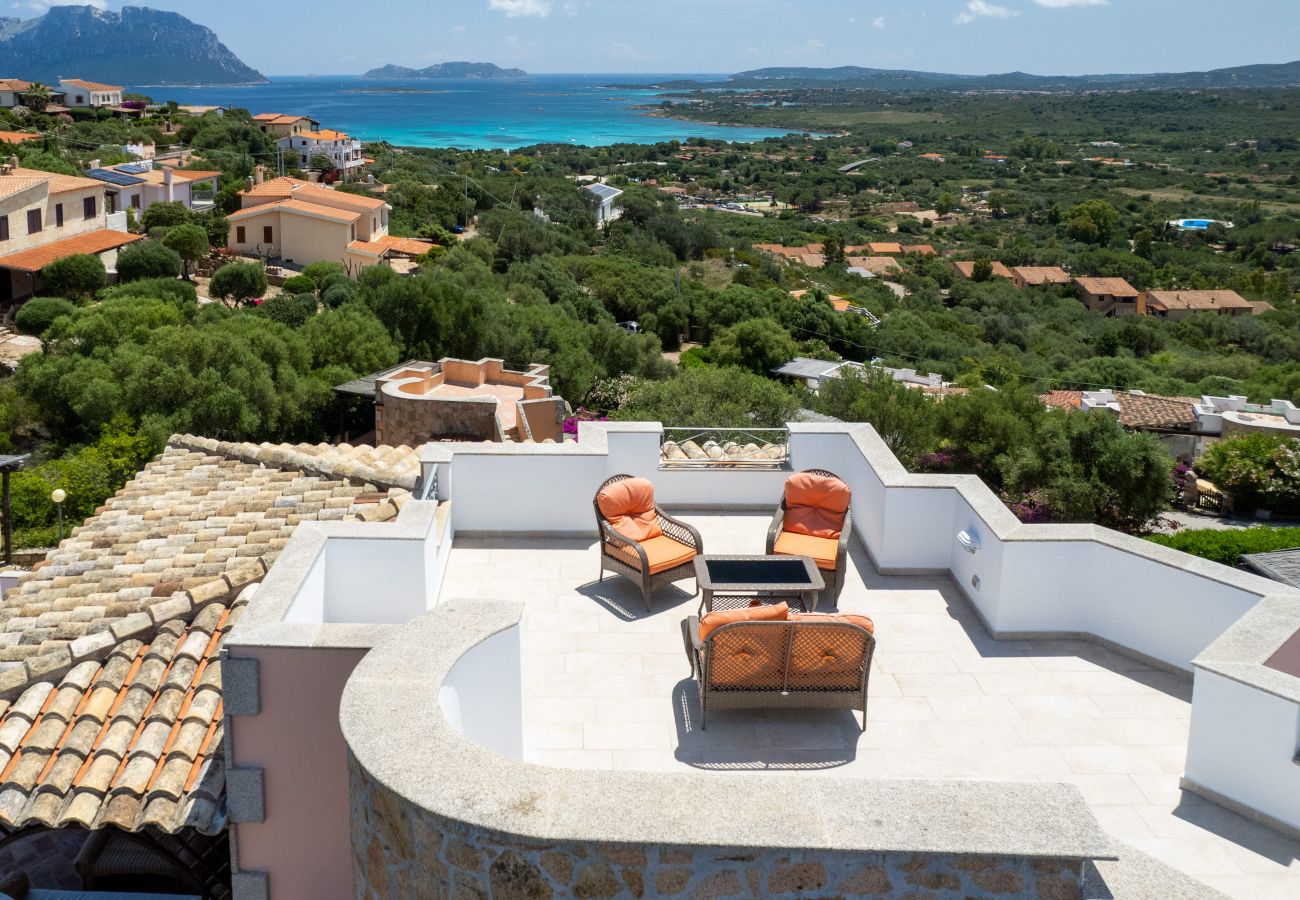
<point>473,114</point>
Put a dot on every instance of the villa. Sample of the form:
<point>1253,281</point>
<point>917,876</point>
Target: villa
<point>46,216</point>
<point>306,148</point>
<point>301,222</point>
<point>1036,276</point>
<point>1176,305</point>
<point>395,672</point>
<point>1111,296</point>
<point>90,94</point>
<point>283,126</point>
<point>139,185</point>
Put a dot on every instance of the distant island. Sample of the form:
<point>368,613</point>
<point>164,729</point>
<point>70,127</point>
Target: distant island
<point>1269,75</point>
<point>445,70</point>
<point>135,46</point>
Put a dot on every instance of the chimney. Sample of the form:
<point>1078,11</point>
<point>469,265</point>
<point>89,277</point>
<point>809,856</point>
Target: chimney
<point>259,174</point>
<point>249,183</point>
<point>167,183</point>
<point>94,164</point>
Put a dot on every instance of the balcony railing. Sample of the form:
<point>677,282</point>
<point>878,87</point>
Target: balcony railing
<point>738,448</point>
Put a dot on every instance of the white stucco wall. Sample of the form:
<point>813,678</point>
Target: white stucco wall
<point>483,694</point>
<point>1243,745</point>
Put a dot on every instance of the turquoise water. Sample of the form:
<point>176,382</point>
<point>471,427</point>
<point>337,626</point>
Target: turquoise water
<point>472,114</point>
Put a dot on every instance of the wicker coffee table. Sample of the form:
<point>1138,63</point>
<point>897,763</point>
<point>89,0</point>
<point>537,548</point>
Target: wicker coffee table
<point>731,582</point>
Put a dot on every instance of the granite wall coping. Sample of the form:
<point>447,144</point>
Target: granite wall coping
<point>395,729</point>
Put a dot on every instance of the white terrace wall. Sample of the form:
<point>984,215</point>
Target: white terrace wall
<point>1063,579</point>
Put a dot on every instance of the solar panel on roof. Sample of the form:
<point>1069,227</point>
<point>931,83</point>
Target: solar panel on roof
<point>118,178</point>
<point>133,168</point>
<point>603,191</point>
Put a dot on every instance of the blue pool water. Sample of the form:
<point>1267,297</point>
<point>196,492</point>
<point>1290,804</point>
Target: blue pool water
<point>472,114</point>
<point>1197,223</point>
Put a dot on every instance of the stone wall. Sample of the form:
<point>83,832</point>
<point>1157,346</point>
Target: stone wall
<point>411,422</point>
<point>402,851</point>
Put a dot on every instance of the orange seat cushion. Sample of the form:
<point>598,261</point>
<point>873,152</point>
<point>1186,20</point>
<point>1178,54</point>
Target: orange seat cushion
<point>774,612</point>
<point>629,505</point>
<point>823,551</point>
<point>815,505</point>
<point>661,551</point>
<point>827,659</point>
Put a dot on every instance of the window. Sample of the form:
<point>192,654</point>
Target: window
<point>241,237</point>
<point>33,221</point>
<point>4,228</point>
<point>268,236</point>
<point>135,201</point>
<point>58,215</point>
<point>89,208</point>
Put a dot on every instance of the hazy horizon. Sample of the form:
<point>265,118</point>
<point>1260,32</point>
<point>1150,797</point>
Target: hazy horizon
<point>546,37</point>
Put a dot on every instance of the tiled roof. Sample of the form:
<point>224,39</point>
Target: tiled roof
<point>324,134</point>
<point>370,248</point>
<point>60,183</point>
<point>298,189</point>
<point>279,119</point>
<point>966,267</point>
<point>919,249</point>
<point>1063,399</point>
<point>36,258</point>
<point>409,246</point>
<point>297,207</point>
<point>1152,411</point>
<point>16,137</point>
<point>14,84</point>
<point>877,265</point>
<point>16,184</point>
<point>1116,287</point>
<point>1042,274</point>
<point>883,248</point>
<point>1197,300</point>
<point>91,85</point>
<point>110,690</point>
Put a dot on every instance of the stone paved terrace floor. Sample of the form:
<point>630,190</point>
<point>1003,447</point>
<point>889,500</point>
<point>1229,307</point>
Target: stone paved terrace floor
<point>607,685</point>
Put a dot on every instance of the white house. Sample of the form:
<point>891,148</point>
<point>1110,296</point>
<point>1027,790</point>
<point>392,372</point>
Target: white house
<point>139,185</point>
<point>607,211</point>
<point>343,150</point>
<point>89,94</point>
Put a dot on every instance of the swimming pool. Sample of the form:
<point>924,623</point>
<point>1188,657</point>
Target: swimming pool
<point>1197,224</point>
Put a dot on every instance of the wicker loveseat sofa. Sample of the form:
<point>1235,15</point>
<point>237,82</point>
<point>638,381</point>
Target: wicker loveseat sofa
<point>640,541</point>
<point>766,657</point>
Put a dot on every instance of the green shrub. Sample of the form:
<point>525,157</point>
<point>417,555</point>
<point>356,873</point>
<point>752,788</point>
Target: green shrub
<point>38,314</point>
<point>164,215</point>
<point>1227,546</point>
<point>239,281</point>
<point>74,276</point>
<point>336,295</point>
<point>147,259</point>
<point>182,293</point>
<point>287,310</point>
<point>299,284</point>
<point>318,271</point>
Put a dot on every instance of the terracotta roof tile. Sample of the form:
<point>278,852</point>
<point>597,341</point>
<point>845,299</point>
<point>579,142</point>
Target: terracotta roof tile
<point>36,258</point>
<point>1117,287</point>
<point>91,85</point>
<point>122,723</point>
<point>966,268</point>
<point>299,207</point>
<point>16,137</point>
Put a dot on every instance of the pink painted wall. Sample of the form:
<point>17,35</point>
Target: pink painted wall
<point>304,842</point>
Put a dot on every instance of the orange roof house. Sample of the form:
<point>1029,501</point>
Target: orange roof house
<point>1176,305</point>
<point>884,248</point>
<point>918,250</point>
<point>966,269</point>
<point>1035,276</point>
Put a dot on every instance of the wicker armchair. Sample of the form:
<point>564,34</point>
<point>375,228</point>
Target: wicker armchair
<point>828,544</point>
<point>649,547</point>
<point>804,663</point>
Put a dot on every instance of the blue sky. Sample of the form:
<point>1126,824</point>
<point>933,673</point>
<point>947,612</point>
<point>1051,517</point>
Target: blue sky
<point>964,36</point>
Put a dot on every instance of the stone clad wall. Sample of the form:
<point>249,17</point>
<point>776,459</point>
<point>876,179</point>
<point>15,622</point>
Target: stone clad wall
<point>401,851</point>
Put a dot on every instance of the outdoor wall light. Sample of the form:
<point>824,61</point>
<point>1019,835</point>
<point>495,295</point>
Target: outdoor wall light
<point>969,540</point>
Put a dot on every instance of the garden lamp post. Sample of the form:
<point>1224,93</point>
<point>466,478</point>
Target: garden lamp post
<point>58,495</point>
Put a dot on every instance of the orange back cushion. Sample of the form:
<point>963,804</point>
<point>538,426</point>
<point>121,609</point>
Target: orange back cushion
<point>827,659</point>
<point>816,504</point>
<point>748,658</point>
<point>775,612</point>
<point>629,505</point>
